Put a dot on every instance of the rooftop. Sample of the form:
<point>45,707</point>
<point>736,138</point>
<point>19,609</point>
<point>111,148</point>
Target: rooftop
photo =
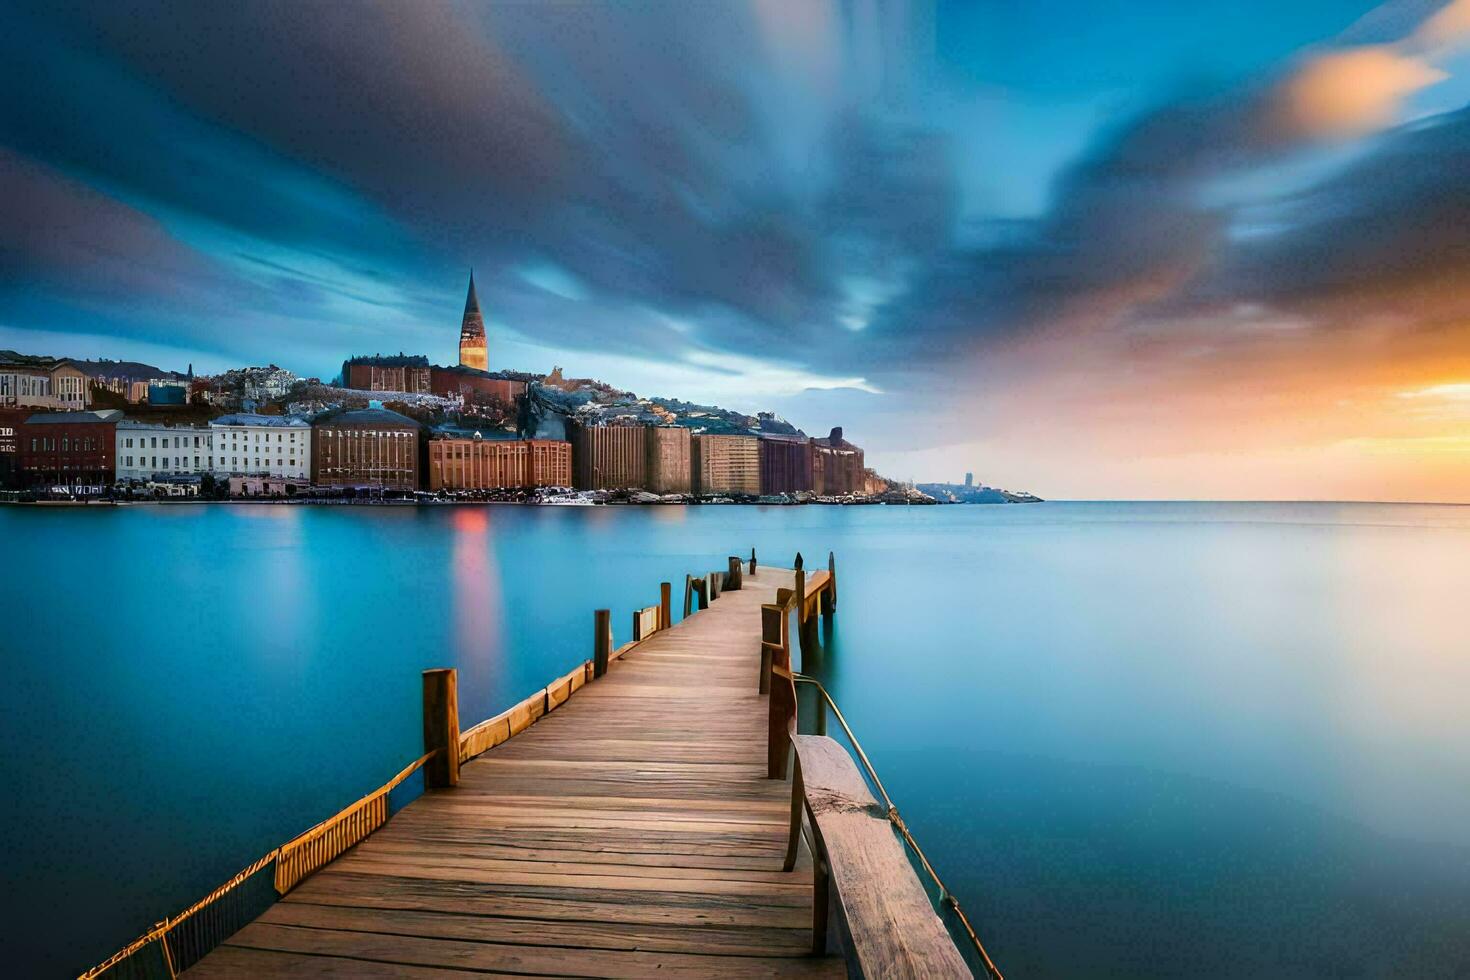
<point>160,424</point>
<point>366,416</point>
<point>390,360</point>
<point>250,418</point>
<point>74,418</point>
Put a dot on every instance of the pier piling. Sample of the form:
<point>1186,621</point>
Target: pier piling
<point>601,641</point>
<point>441,727</point>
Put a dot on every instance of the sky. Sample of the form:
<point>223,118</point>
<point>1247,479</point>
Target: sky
<point>1128,250</point>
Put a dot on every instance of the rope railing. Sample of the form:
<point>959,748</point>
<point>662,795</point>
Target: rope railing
<point>184,938</point>
<point>946,897</point>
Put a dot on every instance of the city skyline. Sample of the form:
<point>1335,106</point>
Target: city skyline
<point>1122,253</point>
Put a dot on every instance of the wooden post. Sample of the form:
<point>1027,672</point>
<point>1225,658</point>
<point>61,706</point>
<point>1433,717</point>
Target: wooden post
<point>806,632</point>
<point>688,595</point>
<point>701,592</point>
<point>752,561</point>
<point>735,576</point>
<point>781,717</point>
<point>771,622</point>
<point>832,570</point>
<point>665,615</point>
<point>829,591</point>
<point>601,641</point>
<point>716,585</point>
<point>797,564</point>
<point>441,727</point>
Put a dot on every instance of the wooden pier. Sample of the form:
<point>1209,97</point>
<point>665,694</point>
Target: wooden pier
<point>633,819</point>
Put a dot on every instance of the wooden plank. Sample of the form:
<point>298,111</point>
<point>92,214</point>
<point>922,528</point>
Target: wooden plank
<point>235,963</point>
<point>535,960</point>
<point>893,928</point>
<point>539,932</point>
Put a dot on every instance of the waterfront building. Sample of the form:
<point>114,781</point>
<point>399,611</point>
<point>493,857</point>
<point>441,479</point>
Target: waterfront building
<point>365,447</point>
<point>726,464</point>
<point>68,449</point>
<point>144,451</point>
<point>786,464</point>
<point>261,445</point>
<point>669,464</point>
<point>609,457</point>
<point>472,343</point>
<point>11,420</point>
<point>837,466</point>
<point>476,463</point>
<point>265,485</point>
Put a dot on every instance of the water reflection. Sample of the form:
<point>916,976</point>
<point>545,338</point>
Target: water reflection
<point>479,626</point>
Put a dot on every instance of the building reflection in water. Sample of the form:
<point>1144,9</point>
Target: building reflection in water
<point>479,622</point>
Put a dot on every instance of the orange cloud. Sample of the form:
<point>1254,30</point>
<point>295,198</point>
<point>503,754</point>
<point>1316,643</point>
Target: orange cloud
<point>1347,93</point>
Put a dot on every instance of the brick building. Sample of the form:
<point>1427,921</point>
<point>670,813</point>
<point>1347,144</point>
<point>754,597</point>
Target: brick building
<point>492,464</point>
<point>726,464</point>
<point>365,447</point>
<point>70,449</point>
<point>609,457</point>
<point>669,464</point>
<point>786,464</point>
<point>11,419</point>
<point>412,373</point>
<point>474,385</point>
<point>401,372</point>
<point>837,466</point>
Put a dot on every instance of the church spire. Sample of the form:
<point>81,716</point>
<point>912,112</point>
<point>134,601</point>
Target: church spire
<point>472,345</point>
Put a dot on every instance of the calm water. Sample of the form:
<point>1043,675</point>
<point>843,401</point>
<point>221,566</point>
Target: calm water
<point>1139,739</point>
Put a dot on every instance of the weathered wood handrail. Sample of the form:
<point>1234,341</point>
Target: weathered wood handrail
<point>889,810</point>
<point>776,662</point>
<point>888,927</point>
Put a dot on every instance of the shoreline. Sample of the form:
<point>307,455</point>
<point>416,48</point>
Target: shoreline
<point>299,502</point>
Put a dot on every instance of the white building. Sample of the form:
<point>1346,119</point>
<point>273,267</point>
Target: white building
<point>149,449</point>
<point>262,445</point>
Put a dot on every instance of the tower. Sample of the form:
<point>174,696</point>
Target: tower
<point>472,332</point>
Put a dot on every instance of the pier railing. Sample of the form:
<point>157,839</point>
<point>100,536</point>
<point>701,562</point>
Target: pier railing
<point>816,595</point>
<point>945,898</point>
<point>177,942</point>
